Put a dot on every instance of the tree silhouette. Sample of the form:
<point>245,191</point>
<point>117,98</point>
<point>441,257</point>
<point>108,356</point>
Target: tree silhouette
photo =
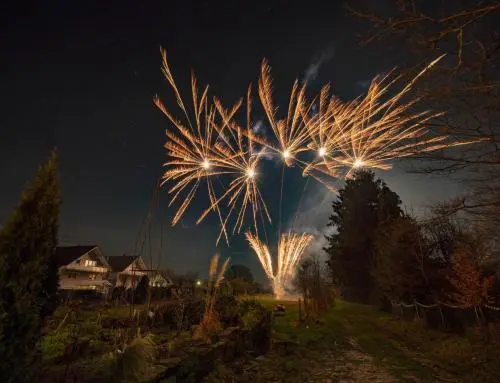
<point>28,273</point>
<point>363,205</point>
<point>240,272</point>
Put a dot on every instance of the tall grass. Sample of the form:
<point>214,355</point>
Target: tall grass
<point>210,323</point>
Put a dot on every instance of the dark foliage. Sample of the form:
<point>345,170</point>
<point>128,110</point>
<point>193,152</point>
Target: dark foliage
<point>399,261</point>
<point>239,272</point>
<point>257,320</point>
<point>317,294</point>
<point>363,206</point>
<point>228,310</point>
<point>28,273</point>
<point>141,291</point>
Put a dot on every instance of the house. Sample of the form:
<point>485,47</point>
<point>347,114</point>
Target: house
<point>127,270</point>
<point>82,268</point>
<point>160,278</point>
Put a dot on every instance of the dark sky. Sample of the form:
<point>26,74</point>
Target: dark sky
<point>81,75</point>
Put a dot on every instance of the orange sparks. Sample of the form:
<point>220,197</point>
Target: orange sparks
<point>291,247</point>
<point>341,137</point>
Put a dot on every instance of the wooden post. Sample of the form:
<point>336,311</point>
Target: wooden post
<point>477,315</point>
<point>416,309</point>
<point>300,313</point>
<point>442,316</point>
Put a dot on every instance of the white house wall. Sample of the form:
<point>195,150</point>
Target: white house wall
<point>81,281</point>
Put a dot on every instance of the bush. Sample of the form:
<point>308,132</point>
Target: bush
<point>194,310</point>
<point>54,344</point>
<point>189,312</point>
<point>228,309</point>
<point>257,320</point>
<point>141,291</point>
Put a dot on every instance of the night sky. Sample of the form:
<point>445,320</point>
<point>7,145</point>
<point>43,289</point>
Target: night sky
<point>80,76</point>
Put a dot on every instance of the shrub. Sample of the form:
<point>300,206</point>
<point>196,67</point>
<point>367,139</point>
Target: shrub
<point>54,344</point>
<point>135,361</point>
<point>189,312</point>
<point>257,320</point>
<point>228,309</point>
<point>141,291</point>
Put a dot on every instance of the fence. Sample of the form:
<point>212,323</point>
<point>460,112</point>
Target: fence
<point>446,315</point>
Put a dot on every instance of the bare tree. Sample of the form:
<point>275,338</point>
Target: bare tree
<point>466,85</point>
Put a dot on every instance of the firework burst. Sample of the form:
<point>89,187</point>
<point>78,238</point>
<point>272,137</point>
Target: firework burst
<point>210,145</point>
<point>193,156</point>
<point>291,247</point>
<point>291,132</point>
<point>239,159</point>
<point>370,131</point>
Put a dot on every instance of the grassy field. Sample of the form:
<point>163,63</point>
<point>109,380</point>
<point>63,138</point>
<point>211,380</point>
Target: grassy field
<point>357,343</point>
<point>350,343</point>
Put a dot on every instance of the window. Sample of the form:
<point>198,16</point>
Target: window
<point>71,274</point>
<point>89,262</point>
<point>92,277</point>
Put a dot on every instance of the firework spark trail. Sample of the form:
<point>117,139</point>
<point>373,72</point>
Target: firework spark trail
<point>291,132</point>
<point>263,254</point>
<point>369,132</point>
<point>208,148</point>
<point>193,155</point>
<point>243,192</point>
<point>291,248</point>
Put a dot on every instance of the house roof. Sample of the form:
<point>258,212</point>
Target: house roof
<point>66,254</point>
<point>121,262</point>
<point>163,274</point>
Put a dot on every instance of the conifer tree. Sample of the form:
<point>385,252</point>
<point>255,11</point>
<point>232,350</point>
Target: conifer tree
<point>28,273</point>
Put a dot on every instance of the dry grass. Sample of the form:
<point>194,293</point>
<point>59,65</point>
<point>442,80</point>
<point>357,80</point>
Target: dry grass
<point>210,323</point>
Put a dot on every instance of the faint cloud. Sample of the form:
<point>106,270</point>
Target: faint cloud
<point>363,84</point>
<point>312,70</point>
<point>260,130</point>
<point>313,216</point>
<point>259,127</point>
<point>265,153</point>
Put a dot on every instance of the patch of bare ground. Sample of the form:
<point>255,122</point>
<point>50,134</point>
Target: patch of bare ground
<point>351,365</point>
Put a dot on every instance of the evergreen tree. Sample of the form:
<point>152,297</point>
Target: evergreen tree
<point>363,205</point>
<point>28,273</point>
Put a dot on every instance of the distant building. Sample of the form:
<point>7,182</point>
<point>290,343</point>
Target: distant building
<point>160,278</point>
<point>127,270</point>
<point>82,268</point>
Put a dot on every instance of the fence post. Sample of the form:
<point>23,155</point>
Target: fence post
<point>477,315</point>
<point>416,309</point>
<point>442,316</point>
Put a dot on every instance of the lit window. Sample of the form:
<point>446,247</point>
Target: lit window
<point>89,262</point>
<point>91,277</point>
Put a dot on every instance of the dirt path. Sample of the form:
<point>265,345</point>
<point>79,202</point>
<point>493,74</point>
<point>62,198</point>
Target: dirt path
<point>352,365</point>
